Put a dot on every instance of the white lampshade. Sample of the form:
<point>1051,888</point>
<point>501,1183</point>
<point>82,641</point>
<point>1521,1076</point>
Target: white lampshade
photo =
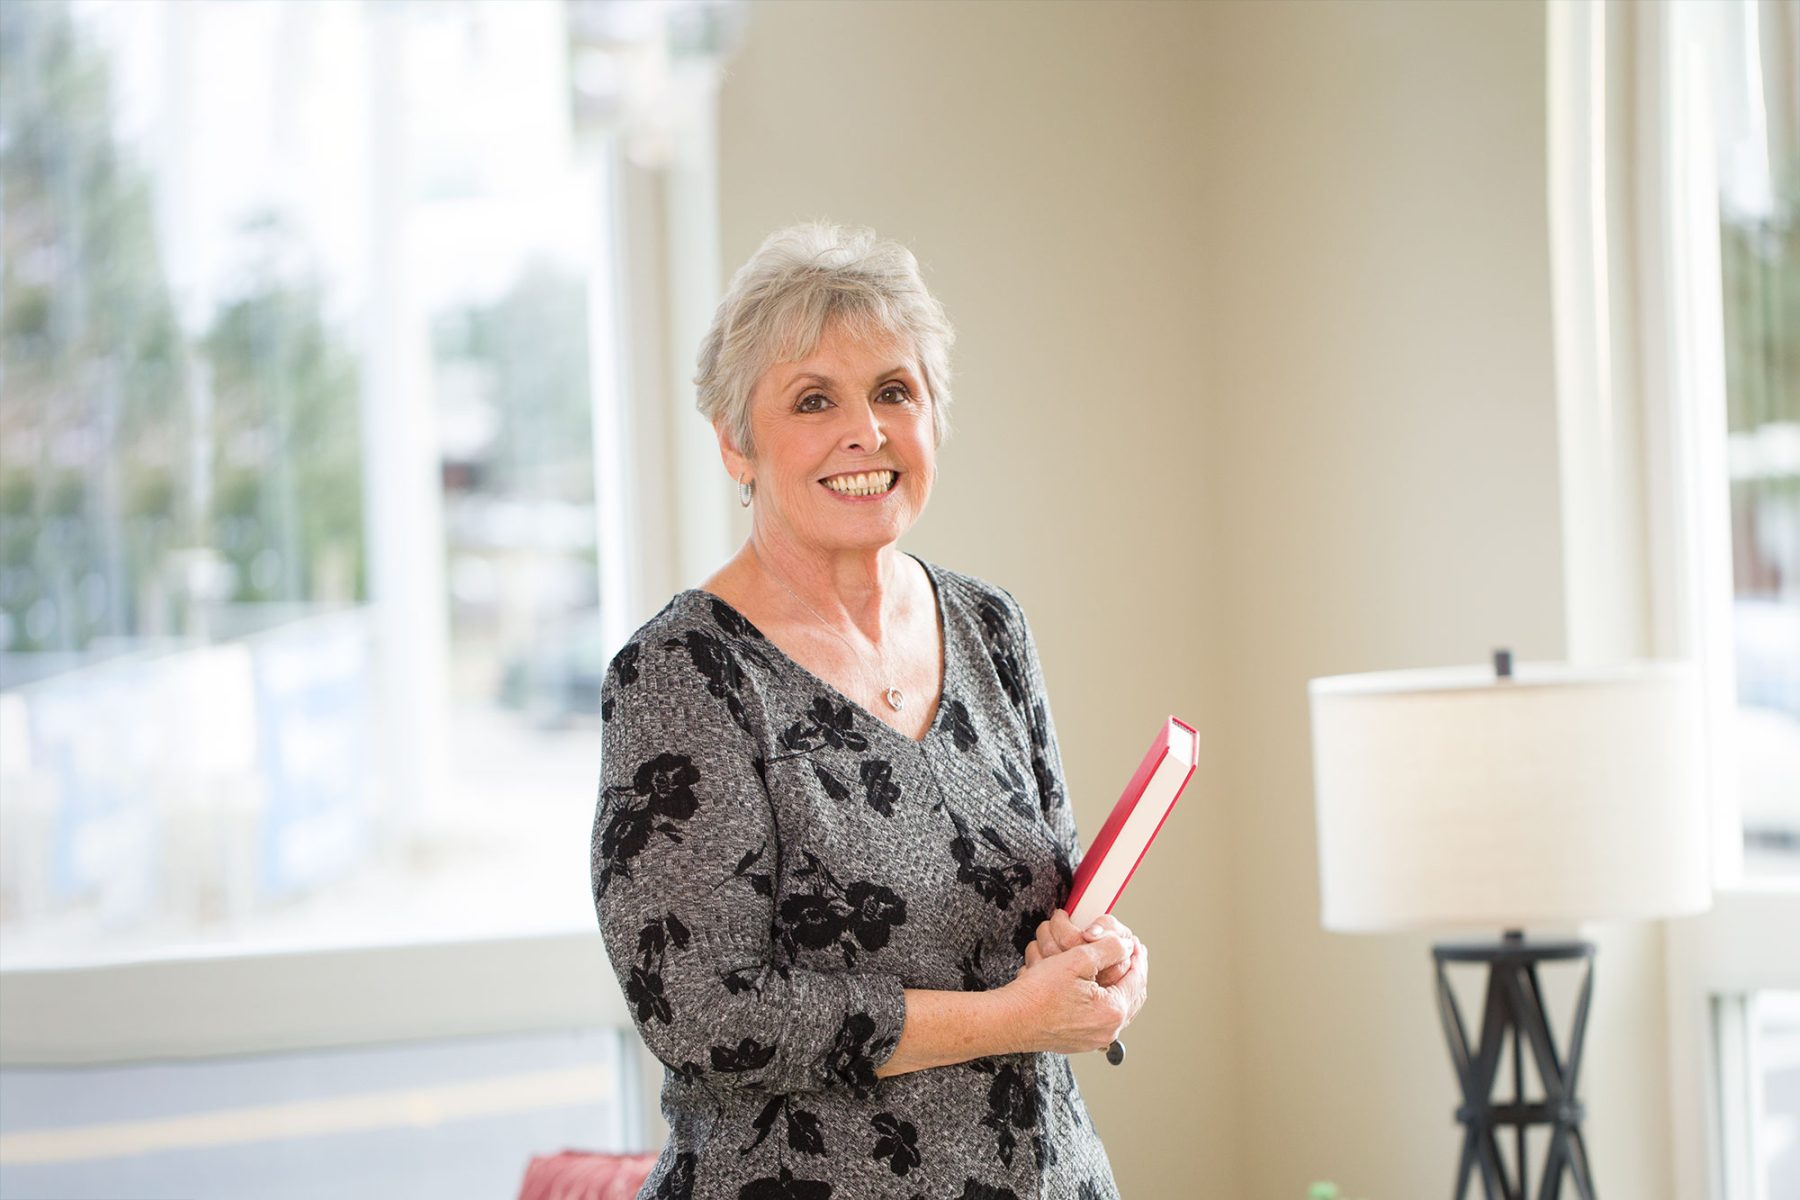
<point>1451,798</point>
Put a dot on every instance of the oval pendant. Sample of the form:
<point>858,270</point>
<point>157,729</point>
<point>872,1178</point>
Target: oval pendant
<point>895,700</point>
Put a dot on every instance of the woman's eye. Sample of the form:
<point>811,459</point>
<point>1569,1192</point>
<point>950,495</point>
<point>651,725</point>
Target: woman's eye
<point>806,405</point>
<point>895,389</point>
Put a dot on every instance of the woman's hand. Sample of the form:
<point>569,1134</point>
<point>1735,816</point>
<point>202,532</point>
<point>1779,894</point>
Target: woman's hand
<point>1057,1005</point>
<point>1128,979</point>
<point>1059,934</point>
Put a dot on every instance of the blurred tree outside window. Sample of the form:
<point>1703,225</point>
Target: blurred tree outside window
<point>299,578</point>
<point>1758,139</point>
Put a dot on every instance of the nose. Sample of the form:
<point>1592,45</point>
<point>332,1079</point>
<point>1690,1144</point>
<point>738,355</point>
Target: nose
<point>863,429</point>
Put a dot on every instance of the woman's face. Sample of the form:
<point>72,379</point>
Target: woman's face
<point>854,405</point>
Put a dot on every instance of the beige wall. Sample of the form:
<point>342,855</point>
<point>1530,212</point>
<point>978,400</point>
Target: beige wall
<point>1382,329</point>
<point>1043,164</point>
<point>1254,384</point>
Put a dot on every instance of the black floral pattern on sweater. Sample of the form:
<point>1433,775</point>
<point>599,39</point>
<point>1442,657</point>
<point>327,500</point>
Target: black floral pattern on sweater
<point>773,866</point>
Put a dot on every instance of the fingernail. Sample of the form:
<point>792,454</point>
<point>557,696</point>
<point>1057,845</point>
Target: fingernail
<point>1094,931</point>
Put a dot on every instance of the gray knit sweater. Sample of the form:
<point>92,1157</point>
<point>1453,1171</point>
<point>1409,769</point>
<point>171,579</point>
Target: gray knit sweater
<point>772,865</point>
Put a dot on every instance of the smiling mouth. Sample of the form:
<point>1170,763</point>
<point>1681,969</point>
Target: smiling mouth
<point>865,483</point>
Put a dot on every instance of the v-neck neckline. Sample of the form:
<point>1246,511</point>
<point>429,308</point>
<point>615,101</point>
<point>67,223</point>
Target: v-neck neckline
<point>943,621</point>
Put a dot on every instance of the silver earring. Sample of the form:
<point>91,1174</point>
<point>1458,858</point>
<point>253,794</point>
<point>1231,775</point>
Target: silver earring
<point>746,489</point>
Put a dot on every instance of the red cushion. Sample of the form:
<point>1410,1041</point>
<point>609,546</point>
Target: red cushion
<point>586,1175</point>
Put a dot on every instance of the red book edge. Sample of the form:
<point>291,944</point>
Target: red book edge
<point>1121,812</point>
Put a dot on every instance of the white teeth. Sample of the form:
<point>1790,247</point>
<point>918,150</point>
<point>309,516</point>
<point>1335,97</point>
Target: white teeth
<point>867,484</point>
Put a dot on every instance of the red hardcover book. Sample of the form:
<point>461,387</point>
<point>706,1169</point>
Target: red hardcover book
<point>1142,808</point>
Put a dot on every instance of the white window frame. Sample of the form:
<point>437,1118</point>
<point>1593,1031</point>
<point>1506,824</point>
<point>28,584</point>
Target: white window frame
<point>1641,399</point>
<point>197,1006</point>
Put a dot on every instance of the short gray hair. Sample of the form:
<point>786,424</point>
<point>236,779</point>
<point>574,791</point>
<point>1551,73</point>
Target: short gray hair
<point>779,302</point>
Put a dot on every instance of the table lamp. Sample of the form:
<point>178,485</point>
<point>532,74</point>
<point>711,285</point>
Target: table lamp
<point>1470,797</point>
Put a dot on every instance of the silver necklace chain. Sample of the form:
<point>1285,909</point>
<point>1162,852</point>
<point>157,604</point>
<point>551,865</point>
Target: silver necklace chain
<point>895,698</point>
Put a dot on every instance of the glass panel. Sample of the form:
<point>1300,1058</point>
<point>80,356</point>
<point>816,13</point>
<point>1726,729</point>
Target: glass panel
<point>453,1118</point>
<point>1759,171</point>
<point>298,568</point>
<point>1775,1058</point>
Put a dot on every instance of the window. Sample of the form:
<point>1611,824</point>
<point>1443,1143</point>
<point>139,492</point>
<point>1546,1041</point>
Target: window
<point>300,573</point>
<point>1748,55</point>
<point>334,390</point>
<point>1675,195</point>
<point>1756,106</point>
<point>1758,1127</point>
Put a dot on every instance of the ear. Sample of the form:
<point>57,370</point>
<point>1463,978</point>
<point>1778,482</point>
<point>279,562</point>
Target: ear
<point>736,463</point>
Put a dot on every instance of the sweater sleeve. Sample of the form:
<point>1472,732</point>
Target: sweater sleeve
<point>1046,757</point>
<point>684,869</point>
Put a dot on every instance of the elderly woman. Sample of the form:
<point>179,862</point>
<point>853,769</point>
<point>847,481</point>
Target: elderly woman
<point>833,838</point>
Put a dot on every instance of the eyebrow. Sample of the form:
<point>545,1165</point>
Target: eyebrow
<point>828,381</point>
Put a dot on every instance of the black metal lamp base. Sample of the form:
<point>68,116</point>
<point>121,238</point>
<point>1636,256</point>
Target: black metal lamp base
<point>1515,1005</point>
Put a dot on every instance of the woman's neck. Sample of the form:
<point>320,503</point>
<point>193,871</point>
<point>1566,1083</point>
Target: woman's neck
<point>863,588</point>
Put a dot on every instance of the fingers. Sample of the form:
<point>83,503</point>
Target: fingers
<point>1133,987</point>
<point>1137,966</point>
<point>1106,923</point>
<point>1063,931</point>
<point>1132,973</point>
<point>1114,974</point>
<point>1059,932</point>
<point>1096,956</point>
